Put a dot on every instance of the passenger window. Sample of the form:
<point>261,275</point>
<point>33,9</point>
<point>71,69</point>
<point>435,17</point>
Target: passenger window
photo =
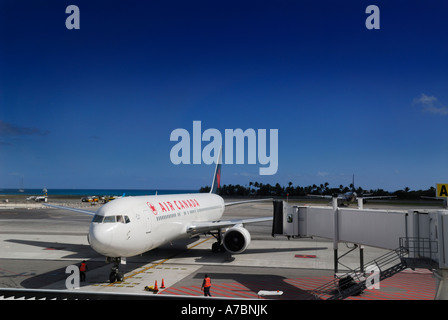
<point>109,219</point>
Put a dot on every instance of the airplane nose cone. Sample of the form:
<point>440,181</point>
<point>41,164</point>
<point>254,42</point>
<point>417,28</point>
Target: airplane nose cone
<point>100,239</point>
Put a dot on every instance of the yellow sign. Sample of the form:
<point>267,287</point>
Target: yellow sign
<point>442,190</point>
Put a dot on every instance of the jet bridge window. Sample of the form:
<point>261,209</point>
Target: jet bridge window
<point>289,220</point>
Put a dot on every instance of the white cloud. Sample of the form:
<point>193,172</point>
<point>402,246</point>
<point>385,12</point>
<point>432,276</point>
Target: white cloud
<point>426,100</point>
<point>432,109</point>
<point>431,104</point>
<point>322,174</point>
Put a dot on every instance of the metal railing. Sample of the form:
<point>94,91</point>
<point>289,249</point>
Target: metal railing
<point>354,282</point>
<point>412,253</point>
<point>421,252</point>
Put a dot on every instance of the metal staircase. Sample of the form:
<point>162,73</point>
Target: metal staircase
<point>412,253</point>
<point>354,282</point>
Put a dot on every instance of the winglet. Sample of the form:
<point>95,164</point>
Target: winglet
<point>216,184</point>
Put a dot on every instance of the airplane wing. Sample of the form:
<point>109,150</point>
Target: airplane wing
<point>377,197</point>
<point>433,198</point>
<point>71,209</point>
<point>319,196</point>
<point>204,226</point>
<point>246,201</point>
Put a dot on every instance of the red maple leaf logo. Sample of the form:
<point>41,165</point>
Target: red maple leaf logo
<point>152,207</point>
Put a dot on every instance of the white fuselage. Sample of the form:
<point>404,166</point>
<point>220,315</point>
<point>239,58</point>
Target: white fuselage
<point>130,226</point>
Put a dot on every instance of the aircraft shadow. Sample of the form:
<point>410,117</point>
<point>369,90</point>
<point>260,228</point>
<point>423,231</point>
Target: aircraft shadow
<point>268,250</point>
<point>47,278</point>
<point>251,283</point>
<point>206,256</point>
<point>80,251</point>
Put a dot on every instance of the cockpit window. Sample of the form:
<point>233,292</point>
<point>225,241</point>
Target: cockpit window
<point>109,219</point>
<point>98,218</point>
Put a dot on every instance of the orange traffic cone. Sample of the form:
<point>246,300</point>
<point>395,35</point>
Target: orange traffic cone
<point>155,287</point>
<point>163,284</point>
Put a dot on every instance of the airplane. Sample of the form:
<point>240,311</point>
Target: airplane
<point>130,226</point>
<point>445,200</point>
<point>350,196</point>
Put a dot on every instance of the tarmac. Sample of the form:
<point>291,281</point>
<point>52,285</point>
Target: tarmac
<point>38,244</point>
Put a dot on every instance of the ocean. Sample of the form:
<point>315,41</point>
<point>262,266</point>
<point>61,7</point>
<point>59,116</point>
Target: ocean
<point>93,192</point>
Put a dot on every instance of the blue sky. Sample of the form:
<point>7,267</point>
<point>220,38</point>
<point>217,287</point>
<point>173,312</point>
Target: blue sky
<point>95,107</point>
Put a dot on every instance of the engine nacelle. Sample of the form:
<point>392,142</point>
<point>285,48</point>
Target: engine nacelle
<point>236,239</point>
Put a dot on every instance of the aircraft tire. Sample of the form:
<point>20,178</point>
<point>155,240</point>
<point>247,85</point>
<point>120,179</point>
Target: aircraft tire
<point>112,277</point>
<point>218,247</point>
<point>215,247</point>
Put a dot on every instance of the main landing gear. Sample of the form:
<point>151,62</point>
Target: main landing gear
<point>217,246</point>
<point>115,275</point>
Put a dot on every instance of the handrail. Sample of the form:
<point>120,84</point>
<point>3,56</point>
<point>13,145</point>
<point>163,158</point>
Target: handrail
<point>354,281</point>
<point>411,253</point>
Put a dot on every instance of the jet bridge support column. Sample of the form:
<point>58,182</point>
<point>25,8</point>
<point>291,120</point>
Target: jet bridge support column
<point>438,231</point>
<point>441,276</point>
<point>361,247</point>
<point>360,203</point>
<point>361,258</point>
<point>335,235</point>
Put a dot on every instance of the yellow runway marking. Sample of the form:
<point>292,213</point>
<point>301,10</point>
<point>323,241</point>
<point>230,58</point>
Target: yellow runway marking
<point>156,264</point>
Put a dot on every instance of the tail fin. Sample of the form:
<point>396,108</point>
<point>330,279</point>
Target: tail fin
<point>216,184</point>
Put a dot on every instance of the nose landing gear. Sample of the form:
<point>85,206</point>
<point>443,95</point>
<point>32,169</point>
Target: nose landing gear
<point>115,275</point>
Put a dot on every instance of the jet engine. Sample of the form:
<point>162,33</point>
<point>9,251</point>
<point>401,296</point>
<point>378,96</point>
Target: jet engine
<point>236,239</point>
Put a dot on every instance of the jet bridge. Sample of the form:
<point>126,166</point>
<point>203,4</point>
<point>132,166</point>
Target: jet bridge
<point>418,237</point>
